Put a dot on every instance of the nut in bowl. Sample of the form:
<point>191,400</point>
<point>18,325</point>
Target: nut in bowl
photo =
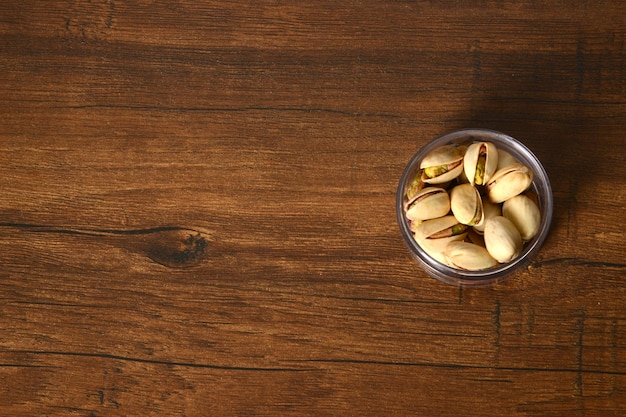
<point>474,206</point>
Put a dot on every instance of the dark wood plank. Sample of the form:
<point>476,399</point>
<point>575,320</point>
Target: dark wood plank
<point>197,208</point>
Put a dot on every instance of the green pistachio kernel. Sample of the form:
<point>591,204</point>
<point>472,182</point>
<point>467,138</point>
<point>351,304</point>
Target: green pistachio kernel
<point>479,176</point>
<point>432,172</point>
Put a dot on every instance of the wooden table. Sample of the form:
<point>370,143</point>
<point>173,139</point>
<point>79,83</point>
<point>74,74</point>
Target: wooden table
<point>197,208</point>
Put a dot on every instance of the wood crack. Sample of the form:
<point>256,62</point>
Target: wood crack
<point>170,246</point>
<point>576,262</point>
<point>230,109</point>
<point>160,362</point>
<point>466,367</point>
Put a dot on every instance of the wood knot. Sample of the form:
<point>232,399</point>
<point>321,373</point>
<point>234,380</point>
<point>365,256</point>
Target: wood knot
<point>178,248</point>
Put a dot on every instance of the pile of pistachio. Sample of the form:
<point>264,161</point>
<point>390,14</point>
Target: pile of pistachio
<point>470,207</point>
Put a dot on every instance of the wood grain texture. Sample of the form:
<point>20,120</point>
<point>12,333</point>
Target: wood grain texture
<point>197,208</point>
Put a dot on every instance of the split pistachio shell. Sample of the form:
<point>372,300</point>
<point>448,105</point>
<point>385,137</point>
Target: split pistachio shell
<point>413,225</point>
<point>476,238</point>
<point>415,186</point>
<point>466,204</point>
<point>434,235</point>
<point>443,164</point>
<point>509,182</point>
<point>468,256</point>
<point>480,162</point>
<point>502,239</point>
<point>489,210</point>
<point>524,214</point>
<point>505,159</point>
<point>429,203</point>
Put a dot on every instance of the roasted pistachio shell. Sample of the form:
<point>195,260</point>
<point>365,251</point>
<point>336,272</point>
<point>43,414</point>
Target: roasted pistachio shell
<point>489,210</point>
<point>435,234</point>
<point>476,238</point>
<point>413,225</point>
<point>443,164</point>
<point>509,182</point>
<point>415,186</point>
<point>524,214</point>
<point>429,203</point>
<point>505,159</point>
<point>468,256</point>
<point>466,204</point>
<point>480,162</point>
<point>502,239</point>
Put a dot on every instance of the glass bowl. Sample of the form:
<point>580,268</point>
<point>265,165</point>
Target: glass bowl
<point>540,186</point>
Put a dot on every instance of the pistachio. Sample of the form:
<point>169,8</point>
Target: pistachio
<point>524,214</point>
<point>415,186</point>
<point>505,159</point>
<point>442,164</point>
<point>480,162</point>
<point>466,204</point>
<point>502,239</point>
<point>429,203</point>
<point>509,182</point>
<point>413,225</point>
<point>434,235</point>
<point>489,210</point>
<point>475,237</point>
<point>468,256</point>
